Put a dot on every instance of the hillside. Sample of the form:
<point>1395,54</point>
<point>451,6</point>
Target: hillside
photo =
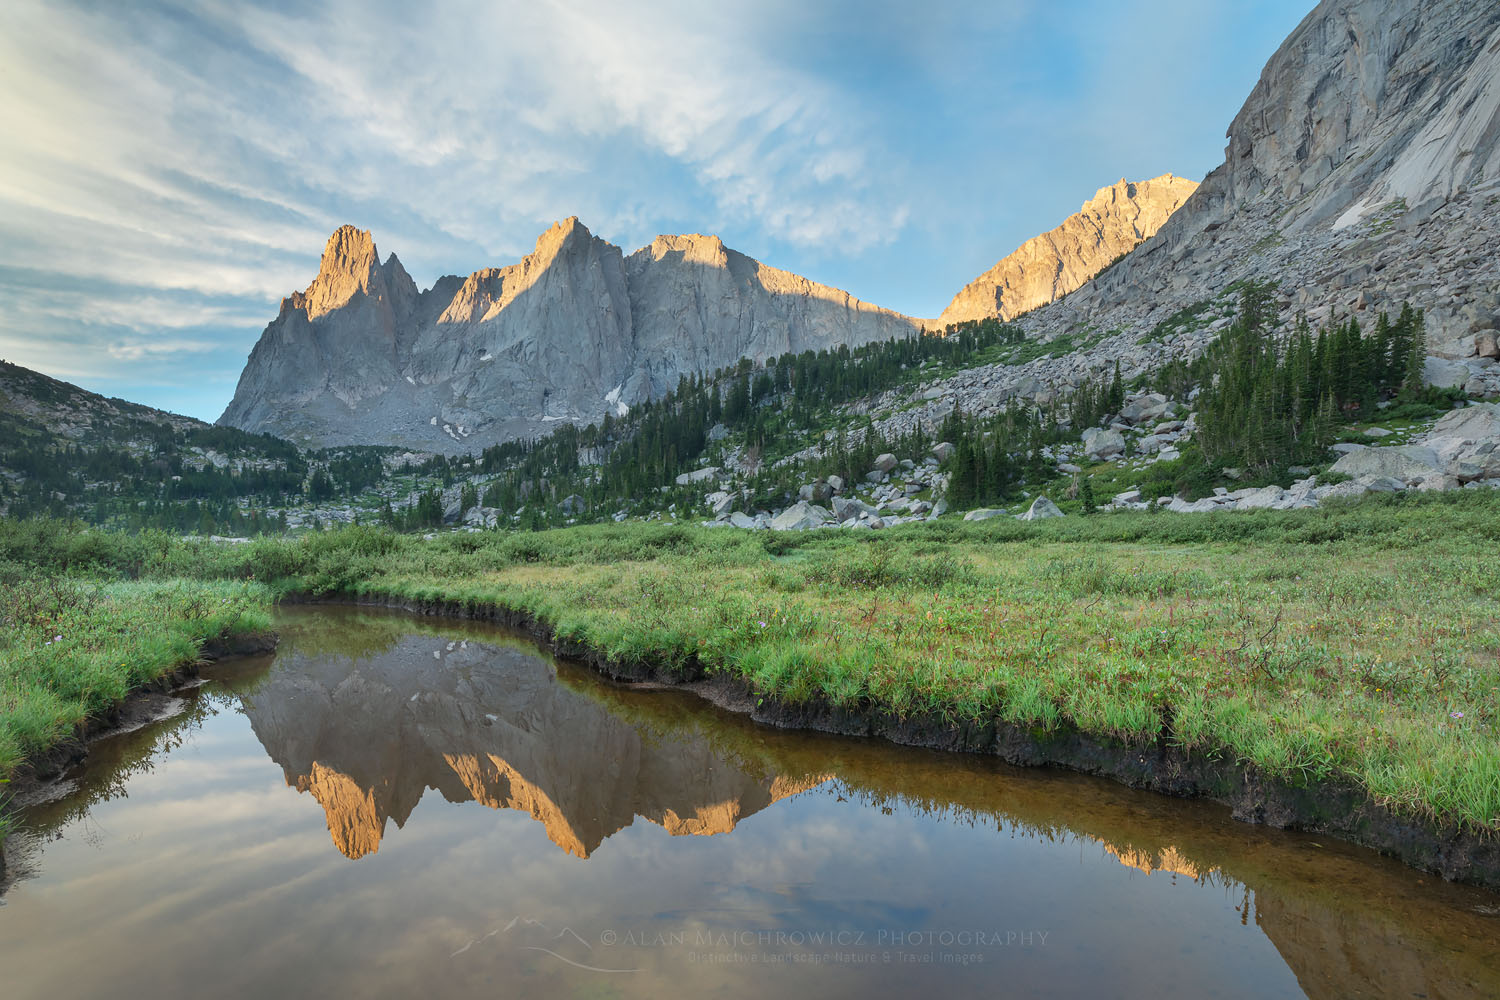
<point>65,451</point>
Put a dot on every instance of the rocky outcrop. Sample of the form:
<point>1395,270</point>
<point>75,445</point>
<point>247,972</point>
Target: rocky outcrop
<point>1049,266</point>
<point>573,331</point>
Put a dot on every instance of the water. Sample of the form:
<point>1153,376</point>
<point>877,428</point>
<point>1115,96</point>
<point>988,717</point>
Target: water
<point>395,807</point>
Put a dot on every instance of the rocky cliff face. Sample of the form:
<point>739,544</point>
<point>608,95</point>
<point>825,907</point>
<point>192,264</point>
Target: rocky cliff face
<point>1049,266</point>
<point>571,332</point>
<point>698,305</point>
<point>1362,172</point>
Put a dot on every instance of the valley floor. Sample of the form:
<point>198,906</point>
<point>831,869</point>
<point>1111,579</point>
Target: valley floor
<point>1355,644</point>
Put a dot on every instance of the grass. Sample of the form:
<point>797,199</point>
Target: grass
<point>72,647</point>
<point>1356,643</point>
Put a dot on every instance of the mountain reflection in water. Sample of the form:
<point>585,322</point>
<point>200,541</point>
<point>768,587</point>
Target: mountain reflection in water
<point>186,824</point>
<point>368,736</point>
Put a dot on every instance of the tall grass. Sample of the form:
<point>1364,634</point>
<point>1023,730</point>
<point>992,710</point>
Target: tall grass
<point>70,648</point>
<point>1356,644</point>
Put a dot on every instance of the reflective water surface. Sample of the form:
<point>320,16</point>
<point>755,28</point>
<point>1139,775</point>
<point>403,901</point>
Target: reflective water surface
<point>398,807</point>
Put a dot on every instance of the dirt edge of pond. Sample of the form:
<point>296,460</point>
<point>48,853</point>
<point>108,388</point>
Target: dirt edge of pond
<point>1337,809</point>
<point>141,707</point>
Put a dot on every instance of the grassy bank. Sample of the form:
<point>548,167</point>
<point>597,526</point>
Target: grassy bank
<point>1356,644</point>
<point>73,646</point>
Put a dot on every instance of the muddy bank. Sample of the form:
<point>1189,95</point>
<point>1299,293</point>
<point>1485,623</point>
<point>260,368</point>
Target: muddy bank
<point>1335,809</point>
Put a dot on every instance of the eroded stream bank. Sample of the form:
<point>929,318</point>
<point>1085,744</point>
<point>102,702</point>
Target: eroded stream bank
<point>392,805</point>
<point>1328,808</point>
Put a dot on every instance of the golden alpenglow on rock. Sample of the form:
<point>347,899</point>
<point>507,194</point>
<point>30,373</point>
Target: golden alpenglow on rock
<point>367,737</point>
<point>574,331</point>
<point>1045,268</point>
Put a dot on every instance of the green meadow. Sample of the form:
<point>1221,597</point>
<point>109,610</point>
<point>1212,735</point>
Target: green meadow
<point>1356,643</point>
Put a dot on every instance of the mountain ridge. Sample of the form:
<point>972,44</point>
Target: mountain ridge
<point>1048,266</point>
<point>574,330</point>
<point>1320,199</point>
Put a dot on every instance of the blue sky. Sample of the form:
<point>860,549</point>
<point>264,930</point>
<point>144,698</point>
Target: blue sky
<point>168,172</point>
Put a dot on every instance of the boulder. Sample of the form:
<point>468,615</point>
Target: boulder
<point>1467,442</point>
<point>740,520</point>
<point>984,514</point>
<point>1041,508</point>
<point>1180,506</point>
<point>848,508</point>
<point>1151,407</point>
<point>1480,422</point>
<point>1261,499</point>
<point>482,517</point>
<point>886,462</point>
<point>1445,374</point>
<point>836,483</point>
<point>697,475</point>
<point>1099,444</point>
<point>942,451</point>
<point>1359,487</point>
<point>1409,463</point>
<point>938,510</point>
<point>800,516</point>
<point>815,492</point>
<point>1458,348</point>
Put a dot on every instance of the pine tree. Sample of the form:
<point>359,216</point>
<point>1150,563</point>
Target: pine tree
<point>1414,325</point>
<point>1116,391</point>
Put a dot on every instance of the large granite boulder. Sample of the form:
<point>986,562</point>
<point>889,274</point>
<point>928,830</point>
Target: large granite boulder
<point>800,517</point>
<point>1410,463</point>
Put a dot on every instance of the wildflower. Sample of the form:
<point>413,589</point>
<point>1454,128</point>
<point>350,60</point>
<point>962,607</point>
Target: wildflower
<point>1455,715</point>
<point>57,638</point>
<point>762,624</point>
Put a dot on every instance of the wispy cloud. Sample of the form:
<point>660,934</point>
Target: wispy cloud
<point>170,169</point>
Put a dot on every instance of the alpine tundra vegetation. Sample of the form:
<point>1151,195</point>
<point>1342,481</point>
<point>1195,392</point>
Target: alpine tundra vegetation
<point>1198,491</point>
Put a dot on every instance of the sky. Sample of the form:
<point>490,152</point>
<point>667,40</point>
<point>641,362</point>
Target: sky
<point>170,171</point>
